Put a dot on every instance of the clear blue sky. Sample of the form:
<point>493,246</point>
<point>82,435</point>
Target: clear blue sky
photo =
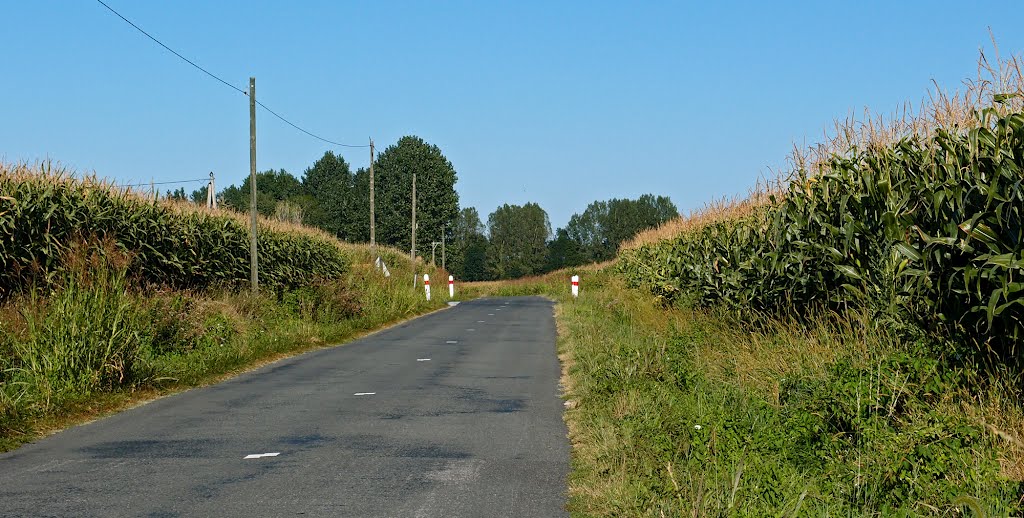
<point>560,103</point>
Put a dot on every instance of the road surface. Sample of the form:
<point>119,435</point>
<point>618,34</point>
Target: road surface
<point>453,414</point>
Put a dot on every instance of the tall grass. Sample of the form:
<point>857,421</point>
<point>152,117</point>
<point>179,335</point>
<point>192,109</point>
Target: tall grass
<point>84,337</point>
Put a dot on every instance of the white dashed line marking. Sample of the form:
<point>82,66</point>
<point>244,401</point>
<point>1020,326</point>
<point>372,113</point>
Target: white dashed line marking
<point>261,455</point>
<point>364,393</point>
<point>490,314</point>
<point>423,359</point>
<point>480,321</point>
<point>471,330</point>
<point>452,342</point>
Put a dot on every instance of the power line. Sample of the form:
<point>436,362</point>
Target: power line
<point>229,85</point>
<point>164,183</point>
<point>172,51</point>
<point>306,132</point>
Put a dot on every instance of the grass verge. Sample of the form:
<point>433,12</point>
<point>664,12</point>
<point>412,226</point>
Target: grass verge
<point>95,343</point>
<point>684,412</point>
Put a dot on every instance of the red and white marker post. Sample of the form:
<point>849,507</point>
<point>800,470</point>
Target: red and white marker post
<point>451,287</point>
<point>575,286</point>
<point>426,285</point>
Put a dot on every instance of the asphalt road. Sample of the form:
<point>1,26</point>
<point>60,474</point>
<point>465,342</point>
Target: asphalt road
<point>463,419</point>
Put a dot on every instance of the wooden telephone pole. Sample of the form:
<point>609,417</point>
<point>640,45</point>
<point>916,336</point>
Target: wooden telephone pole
<point>253,272</point>
<point>373,216</point>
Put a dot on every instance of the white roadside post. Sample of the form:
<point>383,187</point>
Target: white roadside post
<point>575,286</point>
<point>426,285</point>
<point>451,287</point>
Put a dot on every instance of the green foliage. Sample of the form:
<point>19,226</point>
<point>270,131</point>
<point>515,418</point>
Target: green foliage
<point>467,247</point>
<point>329,183</point>
<point>925,230</point>
<point>518,237</point>
<point>85,337</point>
<point>271,187</point>
<point>178,194</point>
<point>42,214</point>
<point>595,235</point>
<point>437,203</point>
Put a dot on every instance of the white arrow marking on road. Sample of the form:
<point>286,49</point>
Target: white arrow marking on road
<point>364,393</point>
<point>423,359</point>
<point>261,455</point>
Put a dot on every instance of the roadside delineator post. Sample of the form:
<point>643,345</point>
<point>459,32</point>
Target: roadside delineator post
<point>426,285</point>
<point>575,286</point>
<point>451,287</point>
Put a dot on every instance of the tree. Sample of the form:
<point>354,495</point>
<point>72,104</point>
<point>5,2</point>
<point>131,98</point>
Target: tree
<point>357,218</point>
<point>437,203</point>
<point>467,246</point>
<point>199,195</point>
<point>626,218</point>
<point>563,251</point>
<point>596,234</point>
<point>329,183</point>
<point>272,187</point>
<point>177,194</point>
<point>518,241</point>
<point>474,262</point>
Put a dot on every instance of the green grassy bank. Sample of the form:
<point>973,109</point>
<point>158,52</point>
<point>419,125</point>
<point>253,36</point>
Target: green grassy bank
<point>676,411</point>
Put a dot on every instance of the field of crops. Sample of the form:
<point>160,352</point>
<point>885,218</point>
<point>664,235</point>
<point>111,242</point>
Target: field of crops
<point>108,297</point>
<point>44,211</point>
<point>862,316</point>
<point>924,229</point>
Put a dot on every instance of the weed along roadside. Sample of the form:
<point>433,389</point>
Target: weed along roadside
<point>85,330</point>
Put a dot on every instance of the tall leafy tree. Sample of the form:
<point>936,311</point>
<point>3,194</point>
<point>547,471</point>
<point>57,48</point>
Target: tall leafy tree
<point>272,186</point>
<point>563,251</point>
<point>329,183</point>
<point>596,234</point>
<point>357,217</point>
<point>199,195</point>
<point>467,246</point>
<point>518,238</point>
<point>437,203</point>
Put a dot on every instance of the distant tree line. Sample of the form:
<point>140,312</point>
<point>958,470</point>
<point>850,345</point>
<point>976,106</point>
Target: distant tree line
<point>514,241</point>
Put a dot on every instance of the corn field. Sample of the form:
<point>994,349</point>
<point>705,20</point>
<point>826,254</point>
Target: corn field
<point>926,228</point>
<point>42,212</point>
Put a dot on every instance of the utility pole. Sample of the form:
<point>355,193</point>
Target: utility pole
<point>373,216</point>
<point>412,254</point>
<point>433,246</point>
<point>211,196</point>
<point>444,230</point>
<point>253,272</point>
